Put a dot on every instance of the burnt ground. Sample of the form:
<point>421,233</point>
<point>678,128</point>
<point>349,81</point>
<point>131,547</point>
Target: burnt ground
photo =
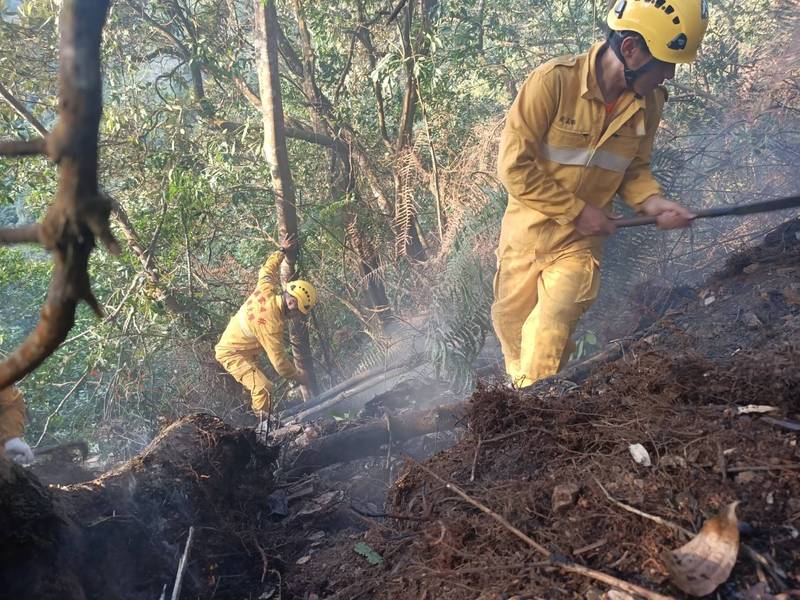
<point>731,343</point>
<point>675,390</point>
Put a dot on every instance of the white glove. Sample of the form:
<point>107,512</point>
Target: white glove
<point>19,451</point>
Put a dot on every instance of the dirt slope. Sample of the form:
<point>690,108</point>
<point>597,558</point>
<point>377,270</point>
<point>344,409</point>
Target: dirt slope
<point>675,391</point>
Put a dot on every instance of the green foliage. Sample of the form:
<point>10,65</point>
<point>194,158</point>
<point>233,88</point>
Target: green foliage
<point>461,298</point>
<point>585,345</point>
<point>181,151</point>
<point>365,550</point>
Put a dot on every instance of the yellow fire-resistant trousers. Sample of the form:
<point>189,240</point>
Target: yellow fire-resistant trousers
<point>239,354</point>
<point>537,304</point>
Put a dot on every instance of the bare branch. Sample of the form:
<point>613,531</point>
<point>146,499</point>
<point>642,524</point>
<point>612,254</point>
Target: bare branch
<point>247,91</point>
<point>301,133</point>
<point>22,111</point>
<point>80,213</point>
<point>22,147</point>
<point>27,234</point>
<point>396,11</point>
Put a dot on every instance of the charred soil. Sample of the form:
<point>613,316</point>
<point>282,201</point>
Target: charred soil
<point>553,461</point>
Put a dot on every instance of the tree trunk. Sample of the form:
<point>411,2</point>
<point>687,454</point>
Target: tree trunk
<point>410,238</point>
<point>341,178</point>
<point>368,266</point>
<point>266,43</point>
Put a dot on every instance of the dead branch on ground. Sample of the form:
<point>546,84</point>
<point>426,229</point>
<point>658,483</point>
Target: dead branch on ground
<point>562,563</point>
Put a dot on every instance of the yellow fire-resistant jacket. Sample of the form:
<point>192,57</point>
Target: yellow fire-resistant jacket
<point>12,415</point>
<point>558,151</point>
<point>261,320</point>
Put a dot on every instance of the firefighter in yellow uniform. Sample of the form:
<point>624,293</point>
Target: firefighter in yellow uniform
<point>258,325</point>
<point>12,424</point>
<point>580,131</point>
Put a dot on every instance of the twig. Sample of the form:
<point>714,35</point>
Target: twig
<point>22,111</point>
<point>505,436</point>
<point>388,446</point>
<point>398,516</point>
<point>264,561</point>
<point>641,513</point>
<point>590,547</point>
<point>27,234</point>
<point>22,147</point>
<point>60,404</point>
<point>396,11</point>
<point>562,563</point>
<point>176,590</point>
<point>723,465</point>
<point>764,468</point>
<point>475,460</point>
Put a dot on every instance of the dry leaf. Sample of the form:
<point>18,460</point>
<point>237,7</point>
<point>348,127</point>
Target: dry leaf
<point>791,296</point>
<point>640,455</point>
<point>755,408</point>
<point>699,566</point>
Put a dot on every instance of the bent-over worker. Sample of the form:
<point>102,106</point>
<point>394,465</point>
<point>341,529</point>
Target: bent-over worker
<point>580,131</point>
<point>259,324</point>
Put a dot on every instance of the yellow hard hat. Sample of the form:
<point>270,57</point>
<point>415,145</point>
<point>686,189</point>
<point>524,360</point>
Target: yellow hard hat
<point>672,29</point>
<point>304,292</point>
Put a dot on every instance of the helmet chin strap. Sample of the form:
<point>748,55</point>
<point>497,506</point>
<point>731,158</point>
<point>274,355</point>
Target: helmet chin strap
<point>631,75</point>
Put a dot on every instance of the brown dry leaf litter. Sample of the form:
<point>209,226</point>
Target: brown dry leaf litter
<point>675,392</point>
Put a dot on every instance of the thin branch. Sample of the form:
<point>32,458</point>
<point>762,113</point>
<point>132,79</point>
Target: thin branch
<point>641,513</point>
<point>22,147</point>
<point>60,404</point>
<point>321,139</point>
<point>22,111</point>
<point>176,590</point>
<point>247,91</point>
<point>345,70</point>
<point>396,11</point>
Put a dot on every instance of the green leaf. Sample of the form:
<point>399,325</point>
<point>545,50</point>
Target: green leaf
<point>364,550</point>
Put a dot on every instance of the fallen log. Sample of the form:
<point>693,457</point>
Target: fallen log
<point>366,440</point>
<point>354,385</point>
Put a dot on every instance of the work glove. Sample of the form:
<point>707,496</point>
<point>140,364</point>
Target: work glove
<point>18,451</point>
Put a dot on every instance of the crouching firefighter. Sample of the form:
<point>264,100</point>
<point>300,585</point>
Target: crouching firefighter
<point>580,131</point>
<point>12,424</point>
<point>258,325</point>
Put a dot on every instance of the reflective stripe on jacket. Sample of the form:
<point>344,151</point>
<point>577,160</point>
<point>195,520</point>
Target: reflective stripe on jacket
<point>559,151</point>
